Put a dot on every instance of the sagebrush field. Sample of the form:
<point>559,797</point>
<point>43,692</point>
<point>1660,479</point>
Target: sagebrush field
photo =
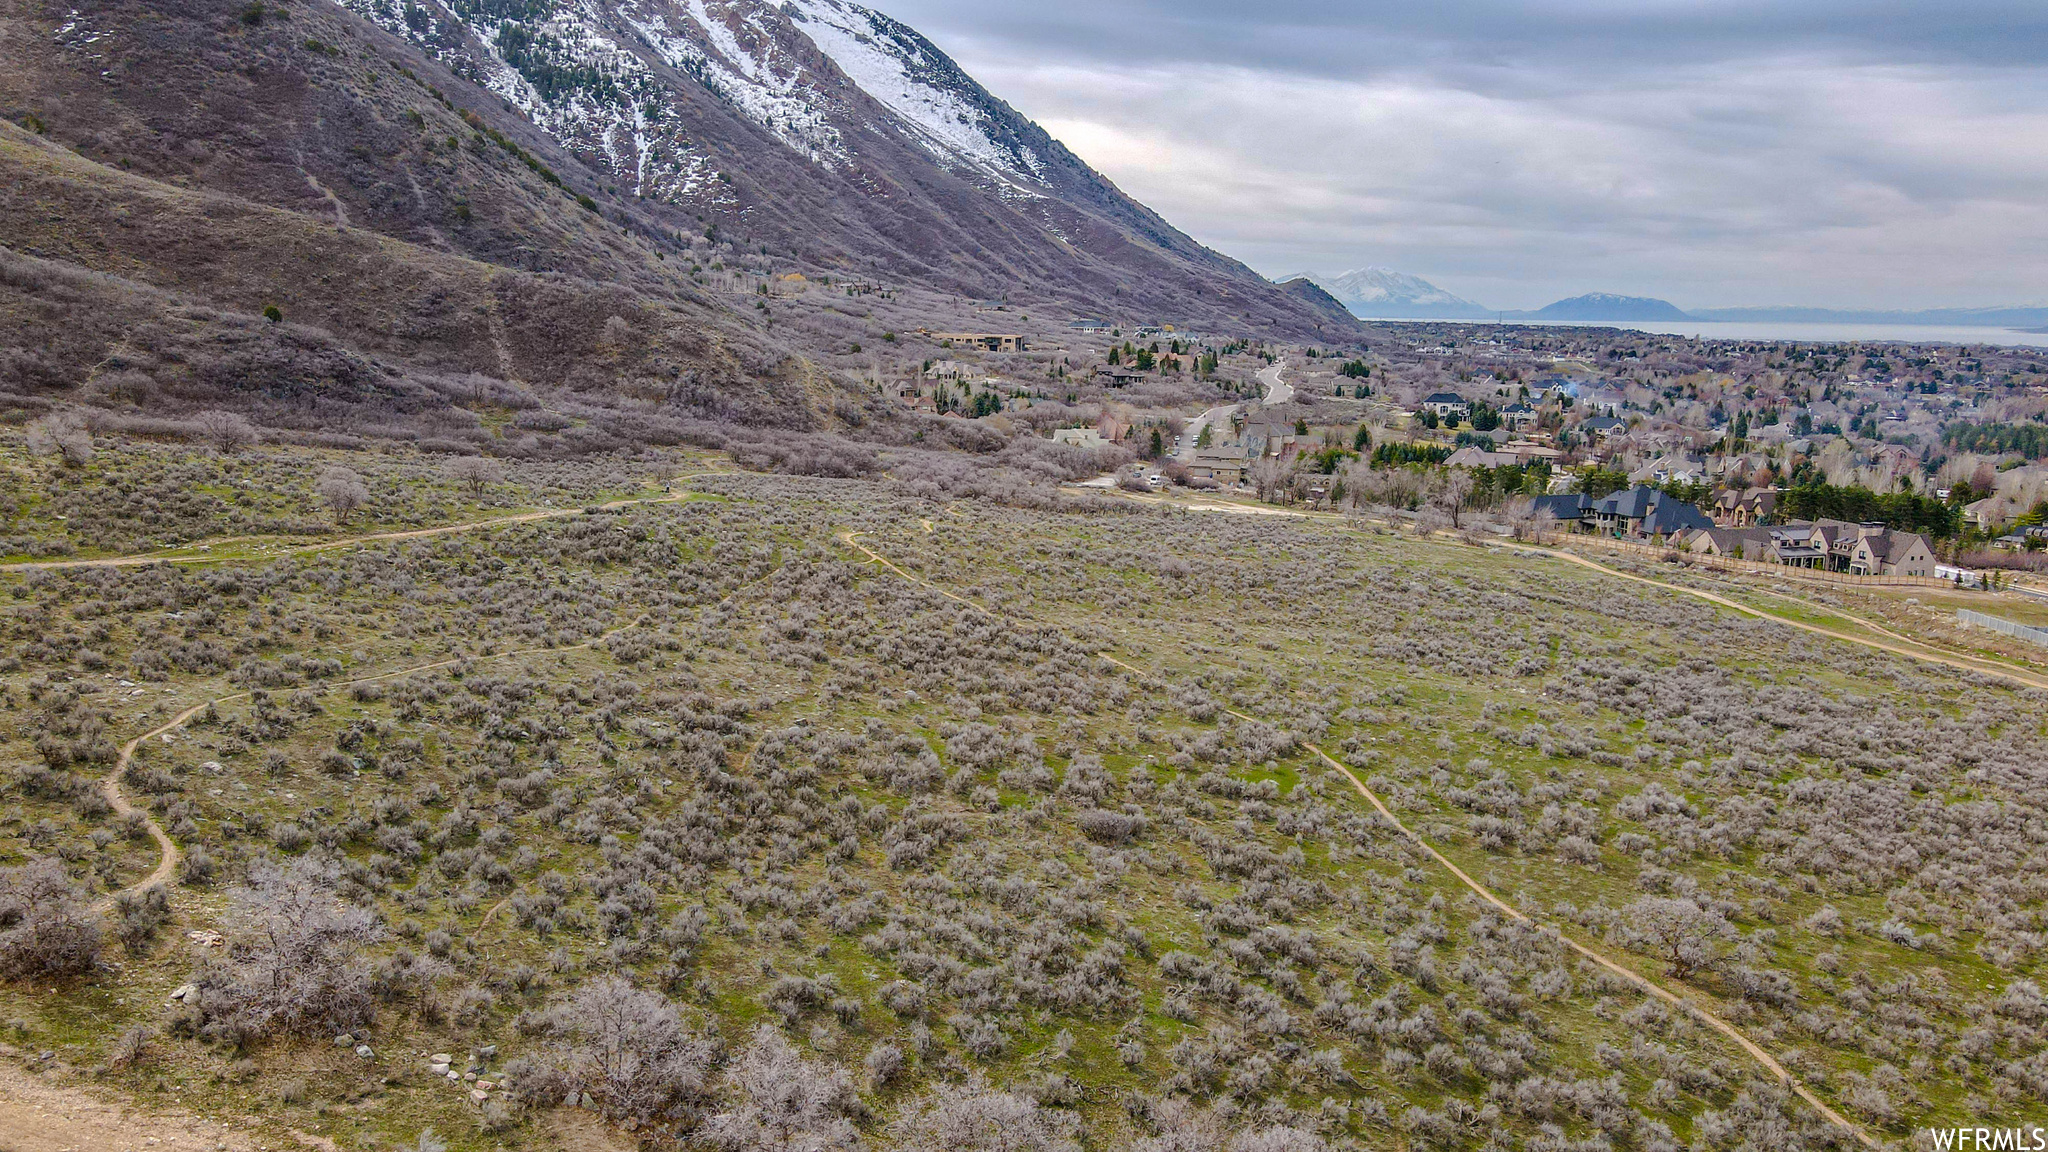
<point>693,817</point>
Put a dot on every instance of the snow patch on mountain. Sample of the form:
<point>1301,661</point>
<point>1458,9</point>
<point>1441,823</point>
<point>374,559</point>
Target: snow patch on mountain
<point>891,66</point>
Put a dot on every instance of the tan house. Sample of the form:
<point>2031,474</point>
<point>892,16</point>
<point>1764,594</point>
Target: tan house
<point>1225,465</point>
<point>987,341</point>
<point>1888,553</point>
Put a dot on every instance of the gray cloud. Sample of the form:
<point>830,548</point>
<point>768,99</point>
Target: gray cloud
<point>1873,154</point>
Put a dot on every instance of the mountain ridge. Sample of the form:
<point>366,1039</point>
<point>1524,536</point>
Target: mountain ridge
<point>1376,293</point>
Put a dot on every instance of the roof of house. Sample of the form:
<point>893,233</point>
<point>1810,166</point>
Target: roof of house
<point>1443,398</point>
<point>1670,516</point>
<point>1630,504</point>
<point>1564,506</point>
<point>1471,457</point>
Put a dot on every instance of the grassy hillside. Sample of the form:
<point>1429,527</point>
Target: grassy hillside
<point>1025,837</point>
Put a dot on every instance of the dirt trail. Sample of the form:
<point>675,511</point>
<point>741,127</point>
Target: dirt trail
<point>1648,985</point>
<point>177,554</point>
<point>1919,651</point>
<point>41,1113</point>
<point>1631,975</point>
<point>167,864</point>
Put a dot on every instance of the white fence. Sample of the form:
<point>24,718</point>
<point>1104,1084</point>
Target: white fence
<point>1971,619</point>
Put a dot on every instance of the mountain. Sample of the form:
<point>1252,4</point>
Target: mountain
<point>839,136</point>
<point>1382,293</point>
<point>1311,293</point>
<point>1604,306</point>
<point>539,212</point>
<point>2011,316</point>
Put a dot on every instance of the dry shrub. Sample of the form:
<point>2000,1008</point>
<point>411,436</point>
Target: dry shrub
<point>46,928</point>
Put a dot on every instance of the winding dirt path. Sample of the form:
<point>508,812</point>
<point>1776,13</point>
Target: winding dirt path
<point>177,555</point>
<point>1652,987</point>
<point>1918,651</point>
<point>169,853</point>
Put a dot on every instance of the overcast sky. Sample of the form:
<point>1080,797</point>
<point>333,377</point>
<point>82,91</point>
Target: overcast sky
<point>1853,153</point>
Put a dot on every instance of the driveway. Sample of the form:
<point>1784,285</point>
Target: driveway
<point>1277,392</point>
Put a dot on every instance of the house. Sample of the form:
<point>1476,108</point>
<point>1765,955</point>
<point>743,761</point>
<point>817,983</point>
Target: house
<point>1447,404</point>
<point>1516,417</point>
<point>1086,325</point>
<point>1734,543</point>
<point>1667,468</point>
<point>1078,437</point>
<point>1471,457</point>
<point>946,370</point>
<point>1673,518</point>
<point>1603,427</point>
<point>1224,465</point>
<point>987,341</point>
<point>1529,453</point>
<point>1889,553</point>
<point>1119,377</point>
<point>1571,510</point>
<point>1645,511</point>
<point>1744,509</point>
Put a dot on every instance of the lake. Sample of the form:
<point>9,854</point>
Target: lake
<point>1816,333</point>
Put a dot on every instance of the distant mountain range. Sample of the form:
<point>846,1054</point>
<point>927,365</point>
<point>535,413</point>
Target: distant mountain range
<point>1384,294</point>
<point>1598,306</point>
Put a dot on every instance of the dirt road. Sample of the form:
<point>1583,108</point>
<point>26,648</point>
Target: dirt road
<point>44,1112</point>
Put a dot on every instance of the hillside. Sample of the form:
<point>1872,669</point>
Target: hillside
<point>688,132</point>
<point>824,808</point>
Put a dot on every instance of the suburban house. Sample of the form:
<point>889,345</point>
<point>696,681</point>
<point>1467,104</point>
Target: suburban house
<point>1472,457</point>
<point>1517,417</point>
<point>1667,468</point>
<point>1447,404</point>
<point>1603,427</point>
<point>1119,377</point>
<point>1078,437</point>
<point>1645,511</point>
<point>987,341</point>
<point>1225,465</point>
<point>1267,438</point>
<point>1571,510</point>
<point>1884,552</point>
<point>946,370</point>
<point>1089,326</point>
<point>1745,509</point>
<point>1835,545</point>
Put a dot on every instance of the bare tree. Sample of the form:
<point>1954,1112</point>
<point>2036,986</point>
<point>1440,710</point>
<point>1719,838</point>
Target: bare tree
<point>1449,492</point>
<point>46,929</point>
<point>974,1117</point>
<point>228,431</point>
<point>63,435</point>
<point>478,472</point>
<point>342,490</point>
<point>628,1050</point>
<point>1685,935</point>
<point>1268,478</point>
<point>293,963</point>
<point>782,1102</point>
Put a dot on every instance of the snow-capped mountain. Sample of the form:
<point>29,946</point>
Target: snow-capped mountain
<point>830,131</point>
<point>1382,293</point>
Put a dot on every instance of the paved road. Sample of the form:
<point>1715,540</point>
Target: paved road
<point>1277,392</point>
<point>1193,432</point>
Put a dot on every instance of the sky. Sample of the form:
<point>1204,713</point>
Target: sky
<point>1838,153</point>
